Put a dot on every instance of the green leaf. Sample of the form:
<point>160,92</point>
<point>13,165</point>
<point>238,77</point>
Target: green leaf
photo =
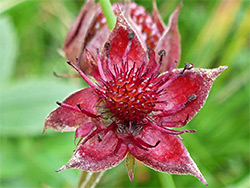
<point>8,48</point>
<point>25,105</point>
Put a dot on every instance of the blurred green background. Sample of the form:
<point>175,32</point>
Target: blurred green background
<point>213,33</point>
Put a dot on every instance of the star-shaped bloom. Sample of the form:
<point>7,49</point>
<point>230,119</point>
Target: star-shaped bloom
<point>134,104</point>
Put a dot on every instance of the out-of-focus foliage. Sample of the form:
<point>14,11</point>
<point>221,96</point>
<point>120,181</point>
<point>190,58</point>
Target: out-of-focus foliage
<point>31,35</point>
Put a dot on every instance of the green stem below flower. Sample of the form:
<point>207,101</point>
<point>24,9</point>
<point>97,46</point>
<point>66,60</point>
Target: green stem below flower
<point>108,13</point>
<point>166,180</point>
<point>89,179</point>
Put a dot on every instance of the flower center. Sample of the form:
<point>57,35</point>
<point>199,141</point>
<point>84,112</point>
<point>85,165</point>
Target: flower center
<point>129,97</point>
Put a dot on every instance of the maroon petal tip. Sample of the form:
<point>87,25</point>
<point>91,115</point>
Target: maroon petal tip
<point>157,18</point>
<point>62,168</point>
<point>170,42</point>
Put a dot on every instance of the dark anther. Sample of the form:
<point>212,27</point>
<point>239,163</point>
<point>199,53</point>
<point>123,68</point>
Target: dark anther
<point>162,53</point>
<point>99,138</point>
<point>58,103</point>
<point>118,146</point>
<point>188,66</point>
<point>78,105</point>
<point>191,98</point>
<point>55,74</point>
<point>61,75</point>
<point>131,35</point>
<point>78,63</point>
<point>69,62</point>
<point>107,46</point>
<point>157,143</point>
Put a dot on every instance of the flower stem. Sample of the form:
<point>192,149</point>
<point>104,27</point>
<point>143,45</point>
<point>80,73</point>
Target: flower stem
<point>90,179</point>
<point>82,178</point>
<point>166,180</point>
<point>108,13</point>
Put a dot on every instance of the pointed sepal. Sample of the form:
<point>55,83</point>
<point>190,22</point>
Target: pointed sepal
<point>76,37</point>
<point>157,18</point>
<point>97,155</point>
<point>65,119</point>
<point>130,165</point>
<point>170,42</point>
<point>169,156</point>
<point>195,82</point>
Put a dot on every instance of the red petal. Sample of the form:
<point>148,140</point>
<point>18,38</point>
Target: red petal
<point>64,119</point>
<point>118,40</point>
<point>157,18</point>
<point>194,81</point>
<point>169,156</point>
<point>98,39</point>
<point>75,40</point>
<point>170,42</point>
<point>97,155</point>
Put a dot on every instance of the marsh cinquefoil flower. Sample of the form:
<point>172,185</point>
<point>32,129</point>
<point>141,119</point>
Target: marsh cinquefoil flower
<point>133,107</point>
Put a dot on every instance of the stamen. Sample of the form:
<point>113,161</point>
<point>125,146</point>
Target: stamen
<point>82,74</point>
<point>170,131</point>
<point>130,127</point>
<point>63,75</point>
<point>88,113</point>
<point>170,70</point>
<point>179,107</point>
<point>161,54</point>
<point>139,140</point>
<point>146,55</point>
<point>118,146</point>
<point>188,66</point>
<point>111,74</point>
<point>99,65</point>
<point>191,98</point>
<point>107,47</point>
<point>157,68</point>
<point>131,70</point>
<point>109,128</point>
<point>116,69</point>
<point>78,63</point>
<point>131,35</point>
<point>136,143</point>
<point>68,106</point>
<point>95,132</point>
<point>175,123</point>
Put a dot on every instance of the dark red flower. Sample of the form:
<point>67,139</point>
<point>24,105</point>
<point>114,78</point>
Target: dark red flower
<point>133,106</point>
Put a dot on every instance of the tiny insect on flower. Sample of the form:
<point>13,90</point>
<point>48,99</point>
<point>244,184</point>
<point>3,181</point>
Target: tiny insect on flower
<point>133,106</point>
